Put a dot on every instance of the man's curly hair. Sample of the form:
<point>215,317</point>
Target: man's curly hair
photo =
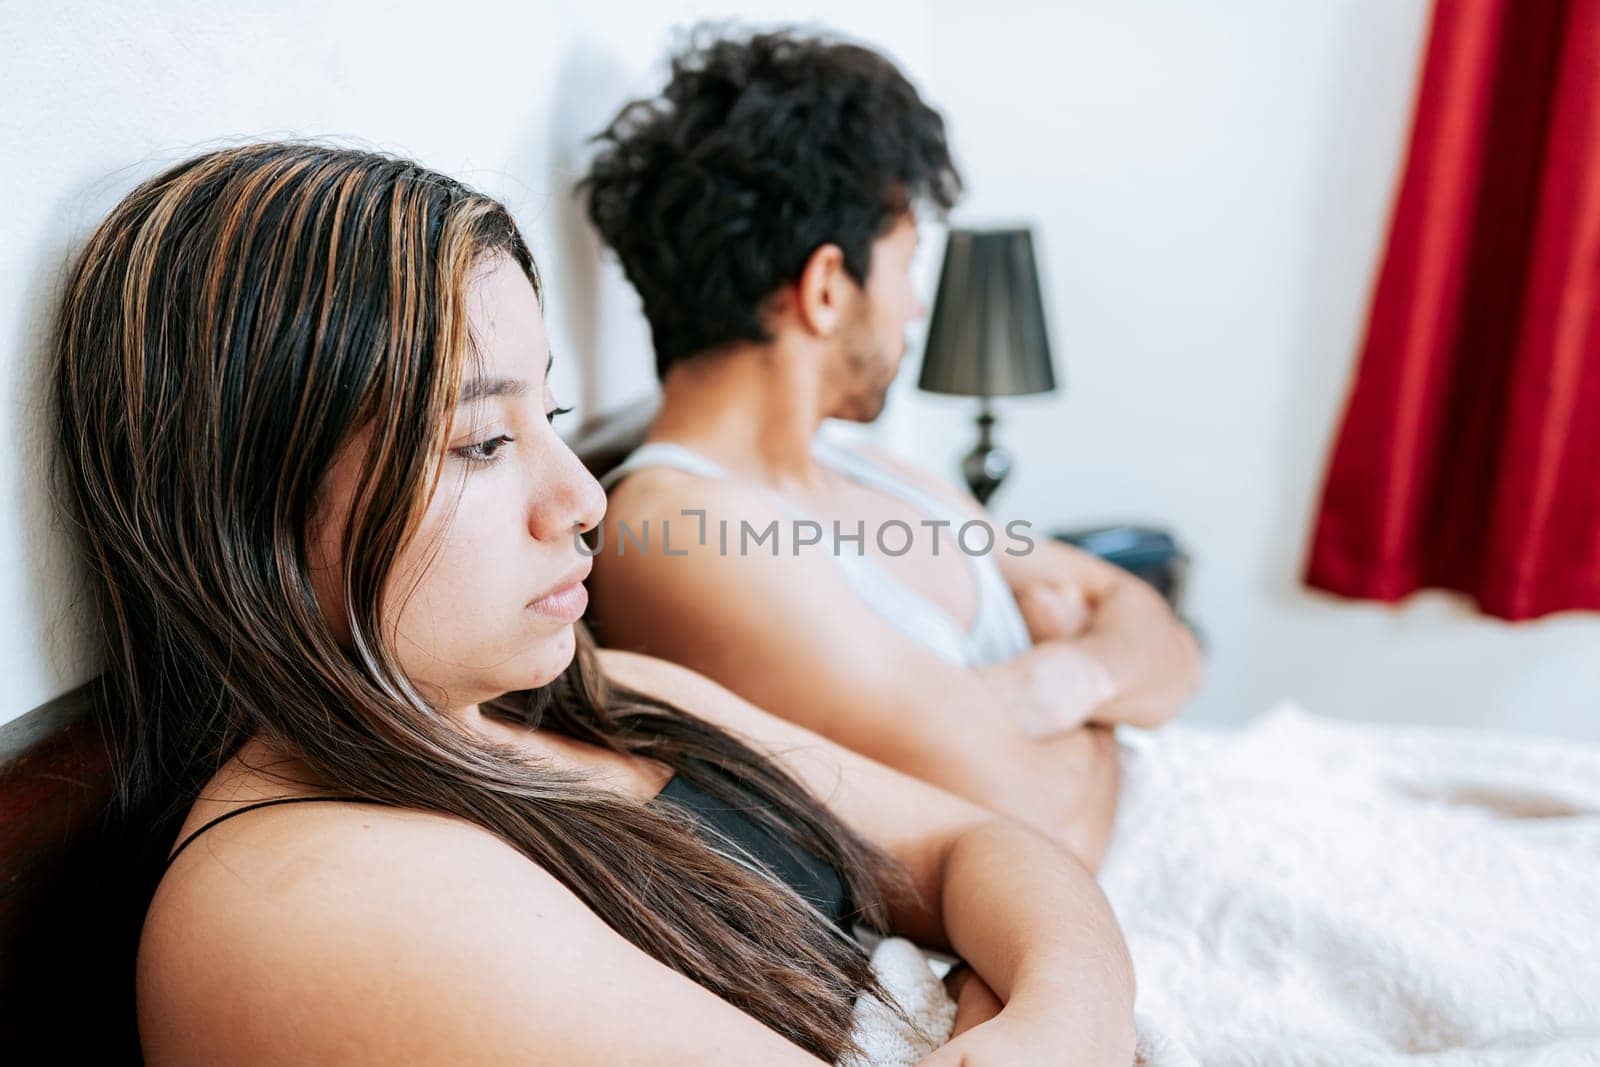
<point>759,151</point>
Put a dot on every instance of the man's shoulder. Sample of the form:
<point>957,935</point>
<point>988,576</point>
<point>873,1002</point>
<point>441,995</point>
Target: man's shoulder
<point>670,535</point>
<point>662,492</point>
<point>912,473</point>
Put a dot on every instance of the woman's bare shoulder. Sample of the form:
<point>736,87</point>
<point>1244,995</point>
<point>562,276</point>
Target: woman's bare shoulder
<point>289,911</point>
<point>352,932</point>
<point>268,872</point>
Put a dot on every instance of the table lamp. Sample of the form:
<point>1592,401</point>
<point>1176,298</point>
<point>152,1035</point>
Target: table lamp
<point>987,337</point>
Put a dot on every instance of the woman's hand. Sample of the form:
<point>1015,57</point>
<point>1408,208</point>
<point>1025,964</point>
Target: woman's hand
<point>1013,1037</point>
<point>976,1003</point>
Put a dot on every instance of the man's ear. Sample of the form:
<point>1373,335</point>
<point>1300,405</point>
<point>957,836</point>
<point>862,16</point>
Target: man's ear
<point>822,290</point>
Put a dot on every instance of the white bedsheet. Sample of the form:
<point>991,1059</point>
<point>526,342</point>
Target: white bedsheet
<point>1309,892</point>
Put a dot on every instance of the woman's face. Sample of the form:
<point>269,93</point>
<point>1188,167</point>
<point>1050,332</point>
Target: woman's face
<point>483,599</point>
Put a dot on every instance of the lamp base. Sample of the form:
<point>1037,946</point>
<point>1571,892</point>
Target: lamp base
<point>987,465</point>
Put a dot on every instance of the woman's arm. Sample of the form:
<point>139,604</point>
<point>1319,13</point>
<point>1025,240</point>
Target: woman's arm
<point>1023,912</point>
<point>1042,937</point>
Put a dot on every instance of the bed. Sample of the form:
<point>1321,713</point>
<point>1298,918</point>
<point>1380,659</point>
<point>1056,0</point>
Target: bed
<point>1314,892</point>
<point>1306,891</point>
<point>1297,891</point>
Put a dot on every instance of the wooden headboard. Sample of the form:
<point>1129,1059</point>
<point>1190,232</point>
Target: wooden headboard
<point>74,882</point>
<point>75,878</point>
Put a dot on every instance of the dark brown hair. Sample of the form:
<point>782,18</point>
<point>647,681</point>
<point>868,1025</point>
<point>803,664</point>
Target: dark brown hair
<point>761,148</point>
<point>231,325</point>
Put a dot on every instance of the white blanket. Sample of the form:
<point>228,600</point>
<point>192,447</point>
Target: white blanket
<point>888,1038</point>
<point>882,1033</point>
<point>1308,892</point>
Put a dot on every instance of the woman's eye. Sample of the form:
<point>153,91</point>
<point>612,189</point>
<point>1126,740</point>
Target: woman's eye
<point>552,413</point>
<point>484,451</point>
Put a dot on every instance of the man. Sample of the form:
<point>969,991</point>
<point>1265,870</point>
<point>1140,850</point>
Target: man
<point>764,208</point>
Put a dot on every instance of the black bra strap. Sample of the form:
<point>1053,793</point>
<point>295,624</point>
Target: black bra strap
<point>259,804</point>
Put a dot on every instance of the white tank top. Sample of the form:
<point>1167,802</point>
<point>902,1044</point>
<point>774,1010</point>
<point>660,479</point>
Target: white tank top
<point>998,632</point>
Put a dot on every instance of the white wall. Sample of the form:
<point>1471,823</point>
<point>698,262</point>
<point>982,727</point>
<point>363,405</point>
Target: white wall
<point>501,93</point>
<point>1210,182</point>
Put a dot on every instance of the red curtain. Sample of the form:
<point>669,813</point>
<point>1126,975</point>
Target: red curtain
<point>1469,454</point>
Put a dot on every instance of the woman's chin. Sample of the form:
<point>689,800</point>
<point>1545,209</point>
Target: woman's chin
<point>553,656</point>
<point>533,666</point>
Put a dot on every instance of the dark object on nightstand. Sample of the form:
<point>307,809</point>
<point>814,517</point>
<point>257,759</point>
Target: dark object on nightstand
<point>987,337</point>
<point>1144,551</point>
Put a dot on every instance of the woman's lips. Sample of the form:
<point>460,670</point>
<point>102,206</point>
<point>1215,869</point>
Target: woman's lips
<point>565,604</point>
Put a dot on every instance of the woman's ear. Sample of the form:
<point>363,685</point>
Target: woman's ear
<point>821,291</point>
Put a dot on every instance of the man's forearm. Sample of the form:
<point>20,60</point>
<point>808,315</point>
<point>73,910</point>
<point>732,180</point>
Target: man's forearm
<point>1148,659</point>
<point>1065,786</point>
<point>1053,688</point>
<point>1089,759</point>
<point>1151,658</point>
<point>1134,663</point>
<point>1087,616</point>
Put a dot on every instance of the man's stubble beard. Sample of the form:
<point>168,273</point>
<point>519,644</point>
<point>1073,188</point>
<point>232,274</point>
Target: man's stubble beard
<point>868,389</point>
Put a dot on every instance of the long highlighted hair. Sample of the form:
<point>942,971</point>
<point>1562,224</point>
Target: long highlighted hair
<point>231,325</point>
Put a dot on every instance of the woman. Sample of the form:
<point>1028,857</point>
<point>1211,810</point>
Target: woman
<point>307,427</point>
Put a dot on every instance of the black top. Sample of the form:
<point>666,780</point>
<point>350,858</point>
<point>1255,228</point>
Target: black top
<point>815,880</point>
<point>810,877</point>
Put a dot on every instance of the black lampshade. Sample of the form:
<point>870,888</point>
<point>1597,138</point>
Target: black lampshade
<point>987,336</point>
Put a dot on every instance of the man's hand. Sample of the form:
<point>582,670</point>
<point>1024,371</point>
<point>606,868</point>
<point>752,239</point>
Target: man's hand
<point>1127,630</point>
<point>1075,684</point>
<point>1054,611</point>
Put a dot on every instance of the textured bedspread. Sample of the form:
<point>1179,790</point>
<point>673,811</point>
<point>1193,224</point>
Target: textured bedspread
<point>1303,891</point>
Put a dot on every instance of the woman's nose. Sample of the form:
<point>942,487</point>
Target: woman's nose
<point>571,501</point>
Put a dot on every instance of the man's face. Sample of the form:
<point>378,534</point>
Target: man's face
<point>873,341</point>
